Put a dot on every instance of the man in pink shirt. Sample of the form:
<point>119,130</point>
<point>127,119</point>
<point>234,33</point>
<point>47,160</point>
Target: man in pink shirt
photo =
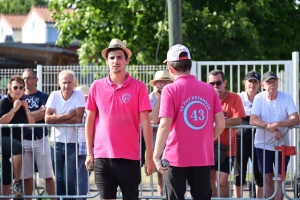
<point>189,109</point>
<point>116,106</point>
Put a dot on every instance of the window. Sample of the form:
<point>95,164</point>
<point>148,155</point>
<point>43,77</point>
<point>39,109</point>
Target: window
<point>32,24</point>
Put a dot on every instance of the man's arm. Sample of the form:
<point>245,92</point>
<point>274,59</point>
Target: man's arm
<point>291,121</point>
<point>89,136</point>
<point>155,112</point>
<point>255,120</point>
<point>233,121</point>
<point>39,114</point>
<point>77,118</point>
<point>219,124</point>
<point>52,118</point>
<point>161,138</point>
<point>147,133</point>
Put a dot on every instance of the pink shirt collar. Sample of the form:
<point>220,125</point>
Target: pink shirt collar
<point>124,84</point>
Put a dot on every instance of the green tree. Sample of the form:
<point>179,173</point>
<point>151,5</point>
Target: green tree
<point>19,6</point>
<point>212,29</point>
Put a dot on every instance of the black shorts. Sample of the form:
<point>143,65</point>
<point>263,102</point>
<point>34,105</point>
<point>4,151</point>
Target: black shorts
<point>197,177</point>
<point>240,165</point>
<point>6,154</point>
<point>226,166</point>
<point>113,172</point>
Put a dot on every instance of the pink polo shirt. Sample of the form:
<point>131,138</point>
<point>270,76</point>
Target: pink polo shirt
<point>118,116</point>
<point>192,105</point>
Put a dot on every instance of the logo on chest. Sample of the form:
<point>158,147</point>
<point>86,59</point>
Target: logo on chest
<point>126,98</point>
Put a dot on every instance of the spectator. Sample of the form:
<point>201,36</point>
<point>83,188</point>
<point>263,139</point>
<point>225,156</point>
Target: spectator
<point>36,144</point>
<point>246,138</point>
<point>161,79</point>
<point>273,110</point>
<point>116,106</point>
<point>65,106</point>
<point>83,177</point>
<point>13,110</point>
<point>187,112</point>
<point>233,112</point>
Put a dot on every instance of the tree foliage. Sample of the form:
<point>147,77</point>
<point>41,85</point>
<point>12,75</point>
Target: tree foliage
<point>19,6</point>
<point>212,29</point>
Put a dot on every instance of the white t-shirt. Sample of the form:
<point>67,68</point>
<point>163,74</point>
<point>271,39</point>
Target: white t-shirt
<point>153,99</point>
<point>272,111</point>
<point>61,106</point>
<point>247,104</point>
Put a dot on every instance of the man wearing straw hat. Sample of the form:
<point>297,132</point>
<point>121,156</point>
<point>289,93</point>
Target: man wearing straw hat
<point>161,79</point>
<point>116,107</point>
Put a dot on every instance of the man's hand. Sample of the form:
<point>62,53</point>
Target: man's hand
<point>149,166</point>
<point>272,127</point>
<point>162,170</point>
<point>277,134</point>
<point>89,161</point>
<point>157,92</point>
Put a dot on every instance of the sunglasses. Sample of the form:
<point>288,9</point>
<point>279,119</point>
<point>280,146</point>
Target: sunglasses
<point>17,87</point>
<point>218,83</point>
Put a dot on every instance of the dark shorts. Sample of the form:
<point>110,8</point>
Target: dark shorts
<point>6,155</point>
<point>113,172</point>
<point>197,177</point>
<point>270,161</point>
<point>226,166</point>
<point>240,163</point>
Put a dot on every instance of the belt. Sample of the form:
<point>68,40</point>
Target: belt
<point>29,137</point>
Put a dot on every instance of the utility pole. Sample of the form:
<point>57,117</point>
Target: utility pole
<point>174,18</point>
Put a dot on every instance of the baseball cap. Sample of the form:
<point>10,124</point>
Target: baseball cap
<point>175,51</point>
<point>269,75</point>
<point>252,75</point>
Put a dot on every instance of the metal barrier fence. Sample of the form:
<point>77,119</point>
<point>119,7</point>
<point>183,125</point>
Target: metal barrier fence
<point>147,187</point>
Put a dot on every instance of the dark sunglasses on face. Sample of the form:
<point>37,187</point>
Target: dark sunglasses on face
<point>218,83</point>
<point>17,87</point>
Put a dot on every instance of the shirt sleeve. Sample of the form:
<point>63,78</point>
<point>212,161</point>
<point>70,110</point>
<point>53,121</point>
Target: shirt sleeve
<point>4,106</point>
<point>81,99</point>
<point>144,102</point>
<point>50,102</point>
<point>238,107</point>
<point>44,99</point>
<point>291,107</point>
<point>217,104</point>
<point>152,100</point>
<point>91,101</point>
<point>256,106</point>
<point>166,104</point>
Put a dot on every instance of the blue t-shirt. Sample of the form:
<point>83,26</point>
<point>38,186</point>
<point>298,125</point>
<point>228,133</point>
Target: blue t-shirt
<point>35,101</point>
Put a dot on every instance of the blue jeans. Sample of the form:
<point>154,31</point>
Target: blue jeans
<point>83,175</point>
<point>63,168</point>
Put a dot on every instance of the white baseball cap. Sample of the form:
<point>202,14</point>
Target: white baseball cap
<point>174,52</point>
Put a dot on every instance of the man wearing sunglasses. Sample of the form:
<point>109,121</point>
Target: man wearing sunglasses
<point>36,142</point>
<point>233,110</point>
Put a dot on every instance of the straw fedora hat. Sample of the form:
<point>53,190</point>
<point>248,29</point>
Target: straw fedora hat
<point>161,76</point>
<point>85,89</point>
<point>116,43</point>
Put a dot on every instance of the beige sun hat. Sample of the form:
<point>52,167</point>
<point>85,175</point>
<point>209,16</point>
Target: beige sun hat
<point>84,88</point>
<point>116,43</point>
<point>161,76</point>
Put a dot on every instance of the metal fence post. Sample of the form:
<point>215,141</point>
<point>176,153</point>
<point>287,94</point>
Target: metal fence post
<point>39,73</point>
